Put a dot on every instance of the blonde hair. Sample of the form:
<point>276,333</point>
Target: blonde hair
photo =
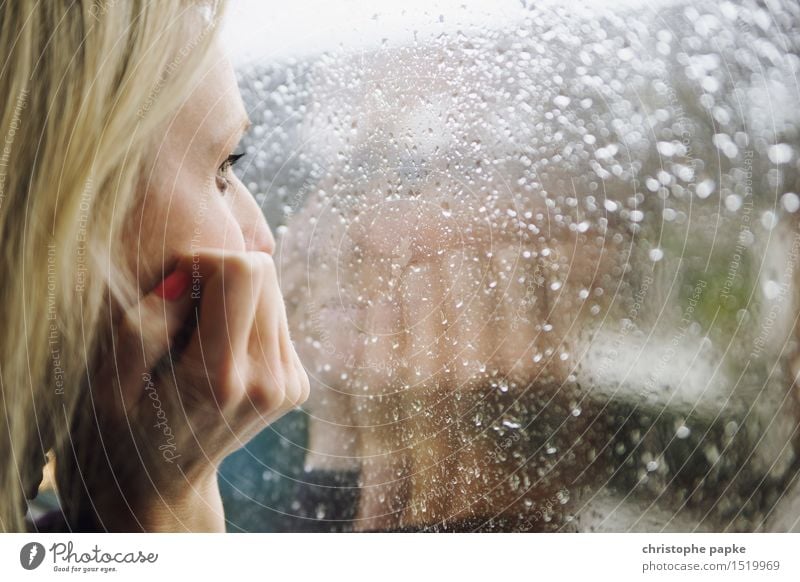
<point>85,88</point>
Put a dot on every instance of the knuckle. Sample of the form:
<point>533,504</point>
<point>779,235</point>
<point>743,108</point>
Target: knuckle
<point>293,391</point>
<point>298,388</point>
<point>305,386</point>
<point>230,385</point>
<point>269,392</point>
<point>244,267</point>
<point>236,266</point>
<point>265,263</point>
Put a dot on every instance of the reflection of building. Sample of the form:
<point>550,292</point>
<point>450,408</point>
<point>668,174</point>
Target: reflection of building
<point>615,127</point>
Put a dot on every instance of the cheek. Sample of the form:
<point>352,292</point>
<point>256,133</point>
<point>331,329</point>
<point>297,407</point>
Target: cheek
<point>205,223</point>
<point>184,223</point>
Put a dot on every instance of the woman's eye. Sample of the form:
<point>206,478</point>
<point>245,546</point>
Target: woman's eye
<point>223,172</point>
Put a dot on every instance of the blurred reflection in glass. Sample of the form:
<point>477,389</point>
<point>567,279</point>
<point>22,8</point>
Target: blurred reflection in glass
<point>542,275</point>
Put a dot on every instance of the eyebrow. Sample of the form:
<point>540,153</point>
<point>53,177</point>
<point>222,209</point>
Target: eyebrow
<point>244,125</point>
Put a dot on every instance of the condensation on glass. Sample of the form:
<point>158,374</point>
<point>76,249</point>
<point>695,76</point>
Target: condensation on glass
<point>542,275</point>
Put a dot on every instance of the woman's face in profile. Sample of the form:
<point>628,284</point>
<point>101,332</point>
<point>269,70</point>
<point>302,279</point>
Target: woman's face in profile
<point>192,199</point>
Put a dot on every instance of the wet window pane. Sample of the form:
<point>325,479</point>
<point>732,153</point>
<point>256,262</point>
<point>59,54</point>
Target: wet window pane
<point>539,261</point>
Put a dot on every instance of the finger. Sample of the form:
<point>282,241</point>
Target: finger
<point>269,333</point>
<point>218,351</point>
<point>518,299</point>
<point>276,382</point>
<point>568,273</point>
<point>377,398</point>
<point>470,337</point>
<point>305,383</point>
<point>423,323</point>
<point>429,397</point>
<point>378,357</point>
<point>380,417</point>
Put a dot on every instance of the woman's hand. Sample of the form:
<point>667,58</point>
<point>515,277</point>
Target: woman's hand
<point>168,419</point>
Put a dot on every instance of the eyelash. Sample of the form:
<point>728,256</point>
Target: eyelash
<point>223,180</point>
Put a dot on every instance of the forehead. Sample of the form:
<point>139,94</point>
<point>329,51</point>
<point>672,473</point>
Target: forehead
<point>213,111</point>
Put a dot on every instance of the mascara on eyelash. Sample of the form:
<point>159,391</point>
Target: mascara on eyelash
<point>232,159</point>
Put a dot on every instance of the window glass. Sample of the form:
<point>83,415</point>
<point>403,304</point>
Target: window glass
<point>539,260</point>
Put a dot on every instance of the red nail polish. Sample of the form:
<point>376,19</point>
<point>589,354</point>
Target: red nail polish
<point>173,286</point>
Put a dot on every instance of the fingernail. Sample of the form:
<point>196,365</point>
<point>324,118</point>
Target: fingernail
<point>173,286</point>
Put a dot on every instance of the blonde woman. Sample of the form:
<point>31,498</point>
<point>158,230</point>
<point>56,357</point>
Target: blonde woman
<point>143,333</point>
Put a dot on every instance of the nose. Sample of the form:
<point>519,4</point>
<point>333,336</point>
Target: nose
<point>260,237</point>
<point>255,230</point>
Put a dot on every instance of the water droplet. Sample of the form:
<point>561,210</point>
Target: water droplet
<point>705,188</point>
<point>656,255</point>
<point>561,101</point>
<point>791,202</point>
<point>733,202</point>
<point>666,148</point>
<point>780,153</point>
<point>771,289</point>
<point>769,220</point>
<point>712,453</point>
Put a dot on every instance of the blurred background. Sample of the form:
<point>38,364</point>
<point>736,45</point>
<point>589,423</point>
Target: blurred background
<point>539,261</point>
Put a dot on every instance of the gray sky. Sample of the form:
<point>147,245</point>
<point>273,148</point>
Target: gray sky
<point>257,29</point>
